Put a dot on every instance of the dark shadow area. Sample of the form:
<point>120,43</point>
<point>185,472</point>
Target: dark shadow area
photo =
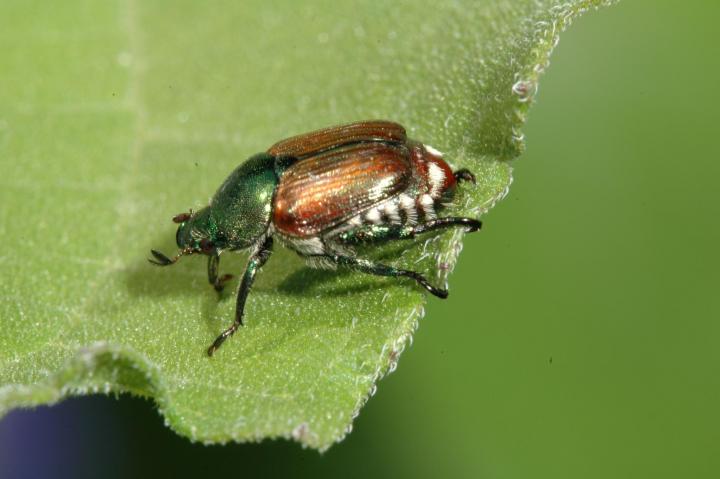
<point>146,279</point>
<point>285,270</point>
<point>100,436</point>
<point>308,281</point>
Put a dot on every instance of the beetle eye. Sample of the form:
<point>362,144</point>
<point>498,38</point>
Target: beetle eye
<point>206,246</point>
<point>182,217</point>
<point>177,237</point>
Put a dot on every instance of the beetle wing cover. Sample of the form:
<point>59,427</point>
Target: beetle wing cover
<point>323,191</point>
<point>328,138</point>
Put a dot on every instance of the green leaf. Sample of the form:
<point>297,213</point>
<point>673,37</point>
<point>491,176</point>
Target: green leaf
<point>116,116</point>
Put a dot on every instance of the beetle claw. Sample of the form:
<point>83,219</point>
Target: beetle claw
<point>465,175</point>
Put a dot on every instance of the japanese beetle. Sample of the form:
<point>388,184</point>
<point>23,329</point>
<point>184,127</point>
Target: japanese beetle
<point>320,193</point>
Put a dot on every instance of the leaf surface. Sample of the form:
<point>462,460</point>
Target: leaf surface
<point>114,116</point>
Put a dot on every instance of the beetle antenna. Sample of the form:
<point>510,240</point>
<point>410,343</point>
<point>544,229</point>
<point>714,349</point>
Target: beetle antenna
<point>182,217</point>
<point>162,260</point>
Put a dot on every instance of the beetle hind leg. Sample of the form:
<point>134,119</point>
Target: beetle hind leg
<point>380,269</point>
<point>379,233</point>
<point>448,222</point>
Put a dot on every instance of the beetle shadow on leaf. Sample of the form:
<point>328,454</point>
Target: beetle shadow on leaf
<point>144,279</point>
<point>309,281</point>
<point>187,278</point>
<point>285,272</point>
<point>341,281</point>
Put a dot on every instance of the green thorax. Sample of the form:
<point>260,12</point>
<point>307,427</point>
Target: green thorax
<point>242,206</point>
<point>239,213</point>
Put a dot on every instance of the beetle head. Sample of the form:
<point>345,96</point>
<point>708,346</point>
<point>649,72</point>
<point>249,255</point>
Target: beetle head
<point>193,236</point>
<point>195,232</point>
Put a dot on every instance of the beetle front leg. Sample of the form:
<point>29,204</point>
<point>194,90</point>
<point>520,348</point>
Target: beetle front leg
<point>380,269</point>
<point>256,261</point>
<point>216,282</point>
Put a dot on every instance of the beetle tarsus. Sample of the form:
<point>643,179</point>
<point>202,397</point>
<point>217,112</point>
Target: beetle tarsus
<point>447,222</point>
<point>420,279</point>
<point>464,174</point>
<point>221,339</point>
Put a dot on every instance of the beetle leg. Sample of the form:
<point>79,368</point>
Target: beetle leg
<point>256,261</point>
<point>369,233</point>
<point>380,269</point>
<point>463,174</point>
<point>448,222</point>
<point>217,282</point>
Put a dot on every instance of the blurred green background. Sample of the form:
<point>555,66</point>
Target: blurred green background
<point>596,352</point>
